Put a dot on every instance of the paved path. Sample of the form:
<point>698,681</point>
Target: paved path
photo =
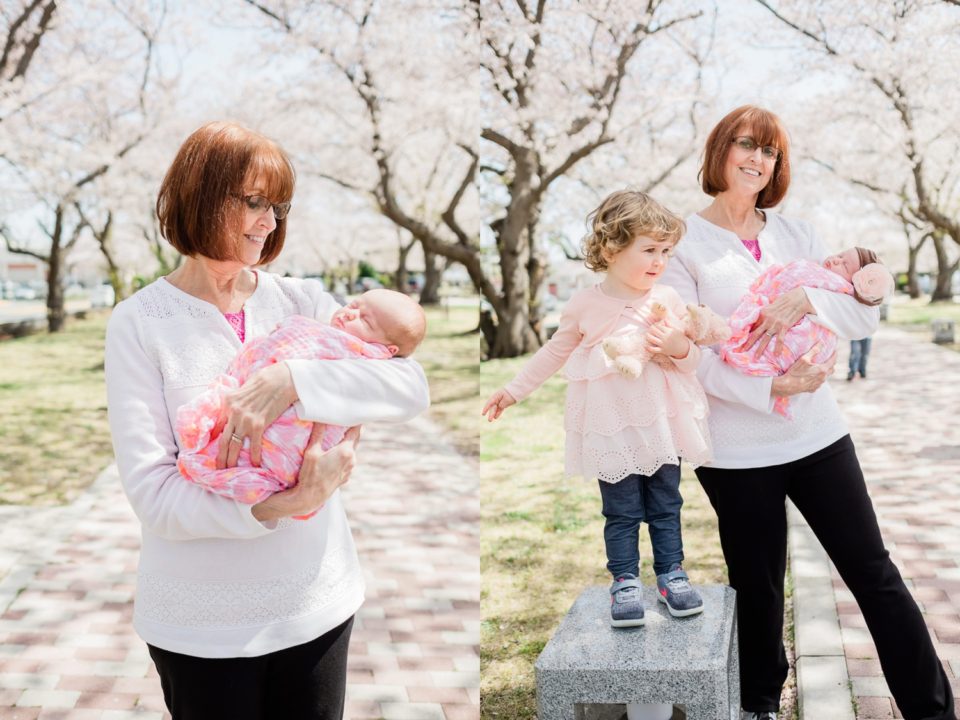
<point>68,652</point>
<point>905,423</point>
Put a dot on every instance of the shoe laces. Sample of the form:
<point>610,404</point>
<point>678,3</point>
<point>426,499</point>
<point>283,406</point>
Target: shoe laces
<point>682,585</point>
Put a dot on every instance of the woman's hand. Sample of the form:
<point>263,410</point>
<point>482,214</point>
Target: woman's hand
<point>248,410</point>
<point>320,475</point>
<point>497,403</point>
<point>665,340</point>
<point>776,319</point>
<point>804,375</point>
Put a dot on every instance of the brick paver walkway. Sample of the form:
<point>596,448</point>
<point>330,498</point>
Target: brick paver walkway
<point>905,422</point>
<point>68,652</point>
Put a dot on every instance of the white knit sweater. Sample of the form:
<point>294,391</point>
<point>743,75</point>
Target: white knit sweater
<point>711,266</point>
<point>213,581</point>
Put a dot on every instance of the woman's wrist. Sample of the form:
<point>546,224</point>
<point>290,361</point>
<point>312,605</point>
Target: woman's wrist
<point>278,506</point>
<point>781,386</point>
<point>289,392</point>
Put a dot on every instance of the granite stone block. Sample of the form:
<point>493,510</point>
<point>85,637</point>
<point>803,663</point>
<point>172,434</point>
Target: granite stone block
<point>691,662</point>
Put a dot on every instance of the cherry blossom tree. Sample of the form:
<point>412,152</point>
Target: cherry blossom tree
<point>24,26</point>
<point>386,109</point>
<point>609,89</point>
<point>883,120</point>
<point>88,99</point>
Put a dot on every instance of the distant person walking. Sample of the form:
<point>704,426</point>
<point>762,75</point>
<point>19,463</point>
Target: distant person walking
<point>859,352</point>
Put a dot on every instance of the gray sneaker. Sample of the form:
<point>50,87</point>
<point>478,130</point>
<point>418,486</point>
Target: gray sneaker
<point>677,594</point>
<point>626,602</point>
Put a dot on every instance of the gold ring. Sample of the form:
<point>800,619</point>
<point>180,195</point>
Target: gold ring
<point>236,438</point>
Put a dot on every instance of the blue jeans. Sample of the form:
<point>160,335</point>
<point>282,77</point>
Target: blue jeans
<point>637,498</point>
<point>859,351</point>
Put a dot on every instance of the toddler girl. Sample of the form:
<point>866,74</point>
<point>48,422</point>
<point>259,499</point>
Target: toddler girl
<point>855,271</point>
<point>380,324</point>
<point>628,432</point>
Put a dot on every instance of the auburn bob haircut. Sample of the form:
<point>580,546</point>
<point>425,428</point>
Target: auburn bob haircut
<point>766,129</point>
<point>200,205</point>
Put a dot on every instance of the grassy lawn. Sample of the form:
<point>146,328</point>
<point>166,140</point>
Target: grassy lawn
<point>54,439</point>
<point>449,356</point>
<point>916,315</point>
<point>541,542</point>
<point>920,311</point>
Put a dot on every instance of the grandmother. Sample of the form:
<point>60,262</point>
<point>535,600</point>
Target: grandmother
<point>246,613</point>
<point>761,458</point>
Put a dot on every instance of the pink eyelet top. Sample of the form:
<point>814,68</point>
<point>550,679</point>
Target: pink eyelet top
<point>753,246</point>
<point>237,323</point>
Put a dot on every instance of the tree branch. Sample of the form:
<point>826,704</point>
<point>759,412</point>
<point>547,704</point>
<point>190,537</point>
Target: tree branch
<point>20,250</point>
<point>449,215</point>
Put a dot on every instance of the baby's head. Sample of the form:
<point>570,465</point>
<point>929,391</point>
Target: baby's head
<point>620,219</point>
<point>386,317</point>
<point>860,266</point>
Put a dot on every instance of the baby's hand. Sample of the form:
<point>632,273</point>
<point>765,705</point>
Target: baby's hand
<point>665,340</point>
<point>497,403</point>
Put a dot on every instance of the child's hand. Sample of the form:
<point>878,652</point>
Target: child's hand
<point>497,403</point>
<point>665,340</point>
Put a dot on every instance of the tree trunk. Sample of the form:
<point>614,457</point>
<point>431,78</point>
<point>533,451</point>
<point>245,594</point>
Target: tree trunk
<point>945,270</point>
<point>56,313</point>
<point>514,335</point>
<point>536,272</point>
<point>913,284</point>
<point>432,275</point>
<point>402,276</point>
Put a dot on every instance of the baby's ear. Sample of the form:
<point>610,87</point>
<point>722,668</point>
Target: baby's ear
<point>393,349</point>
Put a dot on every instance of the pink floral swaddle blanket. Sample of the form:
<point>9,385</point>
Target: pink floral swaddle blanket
<point>284,441</point>
<point>799,339</point>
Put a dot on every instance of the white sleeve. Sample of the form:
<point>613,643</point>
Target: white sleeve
<point>717,378</point>
<point>166,504</point>
<point>353,392</point>
<point>842,314</point>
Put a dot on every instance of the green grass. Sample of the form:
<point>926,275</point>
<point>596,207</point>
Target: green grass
<point>450,358</point>
<point>920,311</point>
<point>541,542</point>
<point>54,438</point>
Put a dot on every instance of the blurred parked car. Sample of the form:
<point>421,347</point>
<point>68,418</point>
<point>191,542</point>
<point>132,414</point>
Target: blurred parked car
<point>24,292</point>
<point>367,283</point>
<point>102,295</point>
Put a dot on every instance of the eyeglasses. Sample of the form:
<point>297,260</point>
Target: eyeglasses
<point>748,144</point>
<point>259,204</point>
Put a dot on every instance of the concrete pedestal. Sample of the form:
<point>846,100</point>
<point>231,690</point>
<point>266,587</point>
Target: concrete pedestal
<point>691,662</point>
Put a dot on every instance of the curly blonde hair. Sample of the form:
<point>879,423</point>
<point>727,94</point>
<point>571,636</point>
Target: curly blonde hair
<point>620,219</point>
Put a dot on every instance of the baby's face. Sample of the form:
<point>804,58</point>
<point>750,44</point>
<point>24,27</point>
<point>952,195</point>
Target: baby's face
<point>363,319</point>
<point>844,264</point>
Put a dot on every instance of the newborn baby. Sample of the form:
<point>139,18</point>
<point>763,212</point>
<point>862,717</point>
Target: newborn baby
<point>378,325</point>
<point>855,271</point>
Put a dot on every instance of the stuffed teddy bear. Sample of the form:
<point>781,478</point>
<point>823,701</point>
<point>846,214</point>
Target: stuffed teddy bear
<point>629,353</point>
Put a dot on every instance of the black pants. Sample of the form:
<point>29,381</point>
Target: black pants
<point>828,489</point>
<point>307,682</point>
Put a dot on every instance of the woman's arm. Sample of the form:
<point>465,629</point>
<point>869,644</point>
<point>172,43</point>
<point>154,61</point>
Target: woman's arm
<point>840,313</point>
<point>352,392</point>
<point>717,378</point>
<point>146,451</point>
